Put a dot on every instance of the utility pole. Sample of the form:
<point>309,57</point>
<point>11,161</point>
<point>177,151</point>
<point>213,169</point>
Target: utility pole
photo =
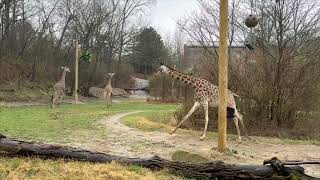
<point>223,76</point>
<point>76,70</point>
<point>172,85</point>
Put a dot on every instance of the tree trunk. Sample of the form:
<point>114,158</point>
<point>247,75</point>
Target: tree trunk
<point>209,170</point>
<point>163,89</point>
<point>34,69</point>
<point>63,32</point>
<point>7,4</point>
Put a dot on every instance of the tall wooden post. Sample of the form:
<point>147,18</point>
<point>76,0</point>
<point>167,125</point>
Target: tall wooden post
<point>76,69</point>
<point>223,76</point>
<point>172,86</point>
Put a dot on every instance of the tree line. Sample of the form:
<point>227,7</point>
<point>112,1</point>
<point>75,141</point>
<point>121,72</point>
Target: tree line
<point>281,84</point>
<point>38,38</point>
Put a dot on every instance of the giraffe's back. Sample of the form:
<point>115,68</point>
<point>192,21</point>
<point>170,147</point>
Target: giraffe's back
<point>210,92</point>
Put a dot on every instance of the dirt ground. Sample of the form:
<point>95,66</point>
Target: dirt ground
<point>125,141</point>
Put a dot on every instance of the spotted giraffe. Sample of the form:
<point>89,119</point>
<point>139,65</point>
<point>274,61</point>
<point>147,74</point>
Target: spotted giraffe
<point>206,94</point>
<point>108,91</point>
<point>59,88</point>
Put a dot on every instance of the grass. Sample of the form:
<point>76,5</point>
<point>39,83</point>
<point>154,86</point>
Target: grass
<point>62,125</point>
<point>158,120</point>
<point>70,122</point>
<point>188,157</point>
<point>42,123</point>
<point>34,168</point>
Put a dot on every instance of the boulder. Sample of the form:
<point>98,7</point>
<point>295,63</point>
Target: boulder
<point>8,86</point>
<point>98,92</point>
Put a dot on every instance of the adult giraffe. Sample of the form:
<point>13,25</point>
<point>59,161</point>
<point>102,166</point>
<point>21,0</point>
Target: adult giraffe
<point>206,94</point>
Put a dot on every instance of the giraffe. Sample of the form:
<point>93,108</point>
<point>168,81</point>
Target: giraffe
<point>107,93</point>
<point>59,88</point>
<point>206,95</point>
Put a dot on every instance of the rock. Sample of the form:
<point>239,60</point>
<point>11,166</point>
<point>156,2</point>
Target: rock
<point>98,92</point>
<point>120,92</point>
<point>7,86</point>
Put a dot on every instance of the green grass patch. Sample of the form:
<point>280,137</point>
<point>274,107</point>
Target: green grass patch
<point>155,120</point>
<point>188,157</point>
<point>67,122</point>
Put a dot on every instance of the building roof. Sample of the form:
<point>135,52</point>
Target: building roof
<point>194,44</point>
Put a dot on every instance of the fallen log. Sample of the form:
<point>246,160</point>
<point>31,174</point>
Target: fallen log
<point>216,169</point>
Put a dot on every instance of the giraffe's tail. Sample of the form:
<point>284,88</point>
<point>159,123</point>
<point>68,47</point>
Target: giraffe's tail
<point>235,95</point>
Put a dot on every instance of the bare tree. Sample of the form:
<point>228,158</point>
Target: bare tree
<point>283,77</point>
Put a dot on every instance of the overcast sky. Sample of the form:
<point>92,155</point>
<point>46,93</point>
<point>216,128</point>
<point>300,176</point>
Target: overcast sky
<point>165,13</point>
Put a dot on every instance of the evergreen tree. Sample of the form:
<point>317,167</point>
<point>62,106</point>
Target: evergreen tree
<point>147,51</point>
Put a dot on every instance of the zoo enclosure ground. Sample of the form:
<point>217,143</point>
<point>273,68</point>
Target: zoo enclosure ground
<point>86,126</point>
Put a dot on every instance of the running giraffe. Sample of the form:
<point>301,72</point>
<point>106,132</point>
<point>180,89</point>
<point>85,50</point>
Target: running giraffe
<point>206,94</point>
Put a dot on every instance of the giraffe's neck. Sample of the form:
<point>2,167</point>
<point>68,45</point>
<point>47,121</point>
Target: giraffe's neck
<point>109,82</point>
<point>185,78</point>
<point>63,77</point>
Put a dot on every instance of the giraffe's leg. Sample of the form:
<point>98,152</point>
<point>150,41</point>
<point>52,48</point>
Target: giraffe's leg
<point>109,99</point>
<point>194,107</point>
<point>242,124</point>
<point>105,98</point>
<point>53,101</point>
<point>236,122</point>
<point>60,100</point>
<point>206,114</point>
<point>245,130</point>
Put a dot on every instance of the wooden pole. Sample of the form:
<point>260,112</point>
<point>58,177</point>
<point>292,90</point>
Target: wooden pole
<point>172,86</point>
<point>223,76</point>
<point>76,69</point>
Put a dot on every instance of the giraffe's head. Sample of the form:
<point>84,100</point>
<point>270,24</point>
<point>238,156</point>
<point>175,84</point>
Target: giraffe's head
<point>65,69</point>
<point>162,69</point>
<point>111,74</point>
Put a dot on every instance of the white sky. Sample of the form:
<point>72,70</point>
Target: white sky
<point>165,13</point>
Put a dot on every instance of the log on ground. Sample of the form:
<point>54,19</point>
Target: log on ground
<point>216,169</point>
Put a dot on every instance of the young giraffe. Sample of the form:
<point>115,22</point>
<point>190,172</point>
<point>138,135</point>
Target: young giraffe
<point>107,93</point>
<point>206,94</point>
<point>59,88</point>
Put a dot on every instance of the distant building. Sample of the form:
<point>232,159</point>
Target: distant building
<point>195,54</point>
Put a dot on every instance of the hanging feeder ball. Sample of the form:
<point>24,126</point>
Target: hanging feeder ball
<point>251,21</point>
<point>86,56</point>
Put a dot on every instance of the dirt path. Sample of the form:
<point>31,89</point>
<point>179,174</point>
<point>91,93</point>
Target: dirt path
<point>126,141</point>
